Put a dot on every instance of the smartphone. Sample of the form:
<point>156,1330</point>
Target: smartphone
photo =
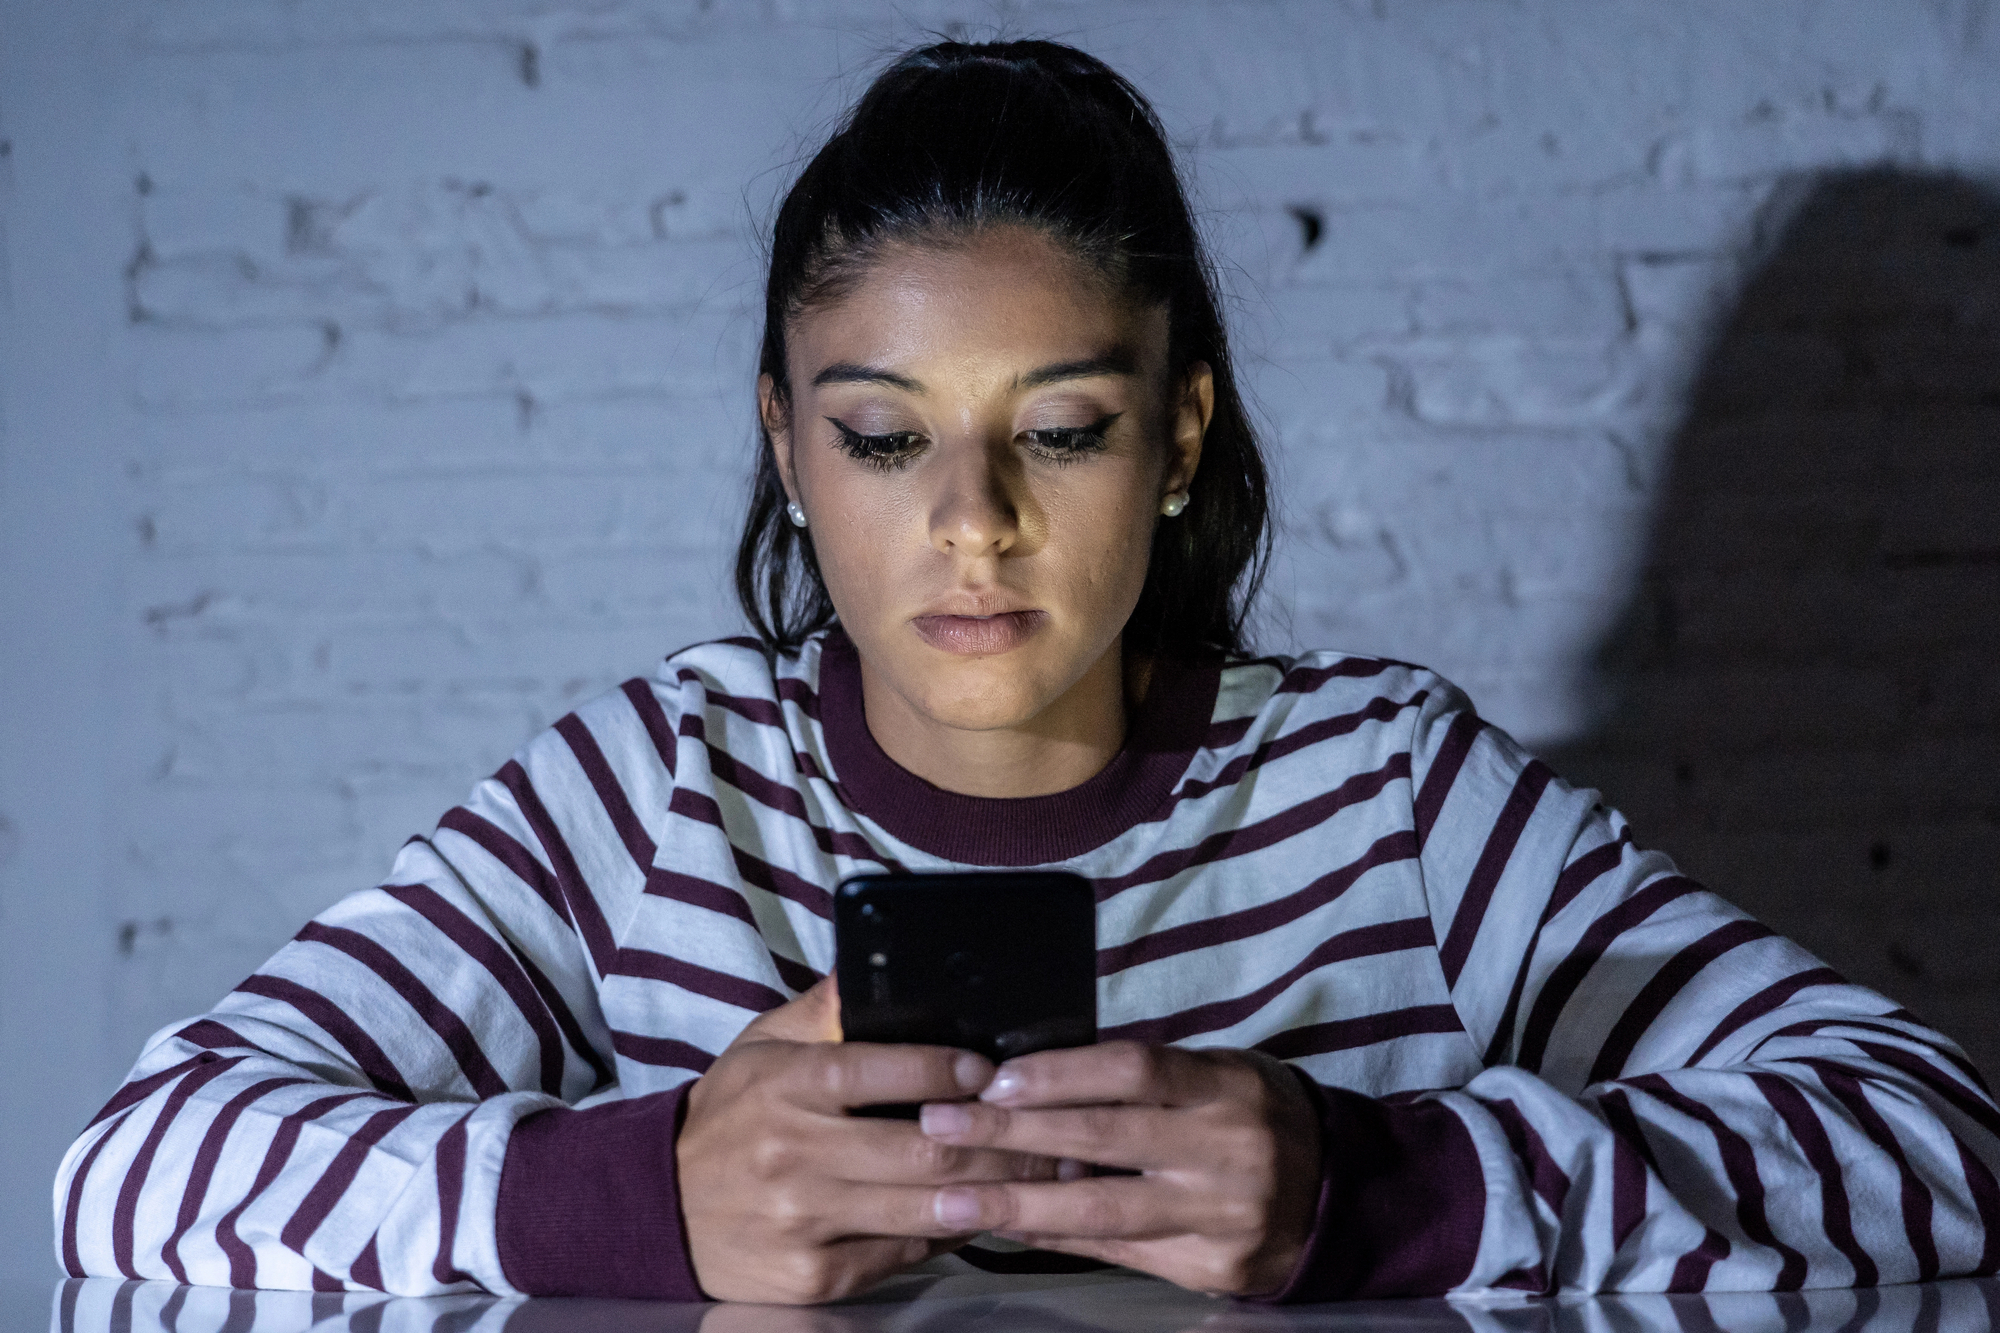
<point>1001,963</point>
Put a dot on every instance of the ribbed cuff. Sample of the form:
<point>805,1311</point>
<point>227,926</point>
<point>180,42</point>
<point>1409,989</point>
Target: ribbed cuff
<point>1402,1199</point>
<point>590,1202</point>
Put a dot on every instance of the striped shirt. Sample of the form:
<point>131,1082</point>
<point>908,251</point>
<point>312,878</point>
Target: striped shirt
<point>1542,1058</point>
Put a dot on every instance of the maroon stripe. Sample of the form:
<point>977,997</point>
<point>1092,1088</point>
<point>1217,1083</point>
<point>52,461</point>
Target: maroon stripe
<point>778,796</point>
<point>1630,1155</point>
<point>1393,847</point>
<point>208,1033</point>
<point>1668,982</point>
<point>1570,972</point>
<point>505,849</point>
<point>138,1091</point>
<point>339,1174</point>
<point>1835,1215</point>
<point>367,1270</point>
<point>1366,941</point>
<point>1586,870</point>
<point>1917,1202</point>
<point>1549,1181</point>
<point>1763,1002</point>
<point>705,981</point>
<point>775,879</point>
<point>367,1056</point>
<point>664,1051</point>
<point>451,1193</point>
<point>124,1214</point>
<point>654,719</point>
<point>72,1255</point>
<point>792,690</point>
<point>1959,1063</point>
<point>566,1020</point>
<point>1458,738</point>
<point>703,809</point>
<point>610,794</point>
<point>437,1016</point>
<point>1691,1273</point>
<point>242,1259</point>
<point>326,1282</point>
<point>1304,680</point>
<point>1248,838</point>
<point>1986,1201</point>
<point>206,1158</point>
<point>698,892</point>
<point>1576,876</point>
<point>796,975</point>
<point>1499,850</point>
<point>583,908</point>
<point>1345,1034</point>
<point>749,707</point>
<point>1380,709</point>
<point>1973,1108</point>
<point>1739,1163</point>
<point>499,963</point>
<point>1976,1107</point>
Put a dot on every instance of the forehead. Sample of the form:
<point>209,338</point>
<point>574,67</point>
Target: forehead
<point>1003,297</point>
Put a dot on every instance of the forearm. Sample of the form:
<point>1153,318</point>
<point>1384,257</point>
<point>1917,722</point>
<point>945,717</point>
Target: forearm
<point>1750,1177</point>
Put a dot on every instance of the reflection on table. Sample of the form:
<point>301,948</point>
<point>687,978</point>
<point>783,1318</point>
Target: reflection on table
<point>1088,1303</point>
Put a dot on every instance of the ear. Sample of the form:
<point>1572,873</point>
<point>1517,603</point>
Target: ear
<point>1188,427</point>
<point>776,415</point>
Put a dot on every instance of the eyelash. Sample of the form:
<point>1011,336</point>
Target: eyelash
<point>1061,445</point>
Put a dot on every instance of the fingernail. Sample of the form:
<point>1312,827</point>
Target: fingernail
<point>957,1209</point>
<point>1004,1085</point>
<point>971,1071</point>
<point>944,1119</point>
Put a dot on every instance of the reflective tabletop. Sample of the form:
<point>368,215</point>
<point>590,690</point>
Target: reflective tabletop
<point>1087,1303</point>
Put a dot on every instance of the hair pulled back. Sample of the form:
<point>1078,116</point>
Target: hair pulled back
<point>954,137</point>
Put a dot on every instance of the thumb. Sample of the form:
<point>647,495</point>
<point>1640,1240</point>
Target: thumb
<point>811,1016</point>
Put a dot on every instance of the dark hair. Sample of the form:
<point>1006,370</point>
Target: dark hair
<point>956,136</point>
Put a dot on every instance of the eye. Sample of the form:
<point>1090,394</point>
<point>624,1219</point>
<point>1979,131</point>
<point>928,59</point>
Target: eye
<point>880,451</point>
<point>1066,444</point>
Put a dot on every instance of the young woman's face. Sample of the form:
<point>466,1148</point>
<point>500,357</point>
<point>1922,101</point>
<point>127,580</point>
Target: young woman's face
<point>981,435</point>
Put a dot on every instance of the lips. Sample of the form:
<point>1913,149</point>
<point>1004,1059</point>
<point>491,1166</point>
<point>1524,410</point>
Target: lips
<point>980,636</point>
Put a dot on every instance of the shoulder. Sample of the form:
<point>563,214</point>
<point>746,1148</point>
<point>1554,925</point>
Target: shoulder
<point>1328,690</point>
<point>640,722</point>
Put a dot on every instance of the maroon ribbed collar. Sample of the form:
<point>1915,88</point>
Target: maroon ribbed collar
<point>1016,830</point>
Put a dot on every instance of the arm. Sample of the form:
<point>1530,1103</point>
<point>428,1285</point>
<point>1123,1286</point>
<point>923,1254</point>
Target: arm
<point>1676,1098</point>
<point>384,1103</point>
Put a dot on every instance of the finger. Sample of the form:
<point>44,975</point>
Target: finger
<point>1139,1138</point>
<point>833,1077</point>
<point>870,1211</point>
<point>812,1015</point>
<point>1113,1071</point>
<point>1102,1207</point>
<point>891,1152</point>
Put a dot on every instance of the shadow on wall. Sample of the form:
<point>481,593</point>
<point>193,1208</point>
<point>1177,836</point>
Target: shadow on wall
<point>1808,675</point>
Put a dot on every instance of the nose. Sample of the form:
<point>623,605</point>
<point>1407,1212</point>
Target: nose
<point>973,510</point>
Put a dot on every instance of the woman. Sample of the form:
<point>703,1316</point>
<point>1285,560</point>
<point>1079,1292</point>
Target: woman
<point>1386,1007</point>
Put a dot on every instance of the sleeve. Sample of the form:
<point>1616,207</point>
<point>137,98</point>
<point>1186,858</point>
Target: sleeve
<point>417,1094</point>
<point>1674,1098</point>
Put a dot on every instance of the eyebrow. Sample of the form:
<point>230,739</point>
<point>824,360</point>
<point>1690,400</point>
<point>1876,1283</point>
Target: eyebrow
<point>1117,361</point>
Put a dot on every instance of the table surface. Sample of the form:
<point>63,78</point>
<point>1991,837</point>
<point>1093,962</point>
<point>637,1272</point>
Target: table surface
<point>1089,1303</point>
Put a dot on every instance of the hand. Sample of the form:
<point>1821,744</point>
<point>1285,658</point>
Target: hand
<point>1226,1145</point>
<point>789,1199</point>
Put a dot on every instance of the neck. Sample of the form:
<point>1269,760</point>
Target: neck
<point>1063,746</point>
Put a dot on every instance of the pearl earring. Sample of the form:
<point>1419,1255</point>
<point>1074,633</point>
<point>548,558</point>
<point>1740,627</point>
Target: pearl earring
<point>796,514</point>
<point>1173,504</point>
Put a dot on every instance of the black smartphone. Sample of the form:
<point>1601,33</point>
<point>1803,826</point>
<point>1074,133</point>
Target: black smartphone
<point>1001,963</point>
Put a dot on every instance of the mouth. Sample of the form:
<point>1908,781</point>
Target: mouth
<point>979,636</point>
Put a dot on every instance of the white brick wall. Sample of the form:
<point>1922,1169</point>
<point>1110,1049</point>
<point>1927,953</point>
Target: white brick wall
<point>401,353</point>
